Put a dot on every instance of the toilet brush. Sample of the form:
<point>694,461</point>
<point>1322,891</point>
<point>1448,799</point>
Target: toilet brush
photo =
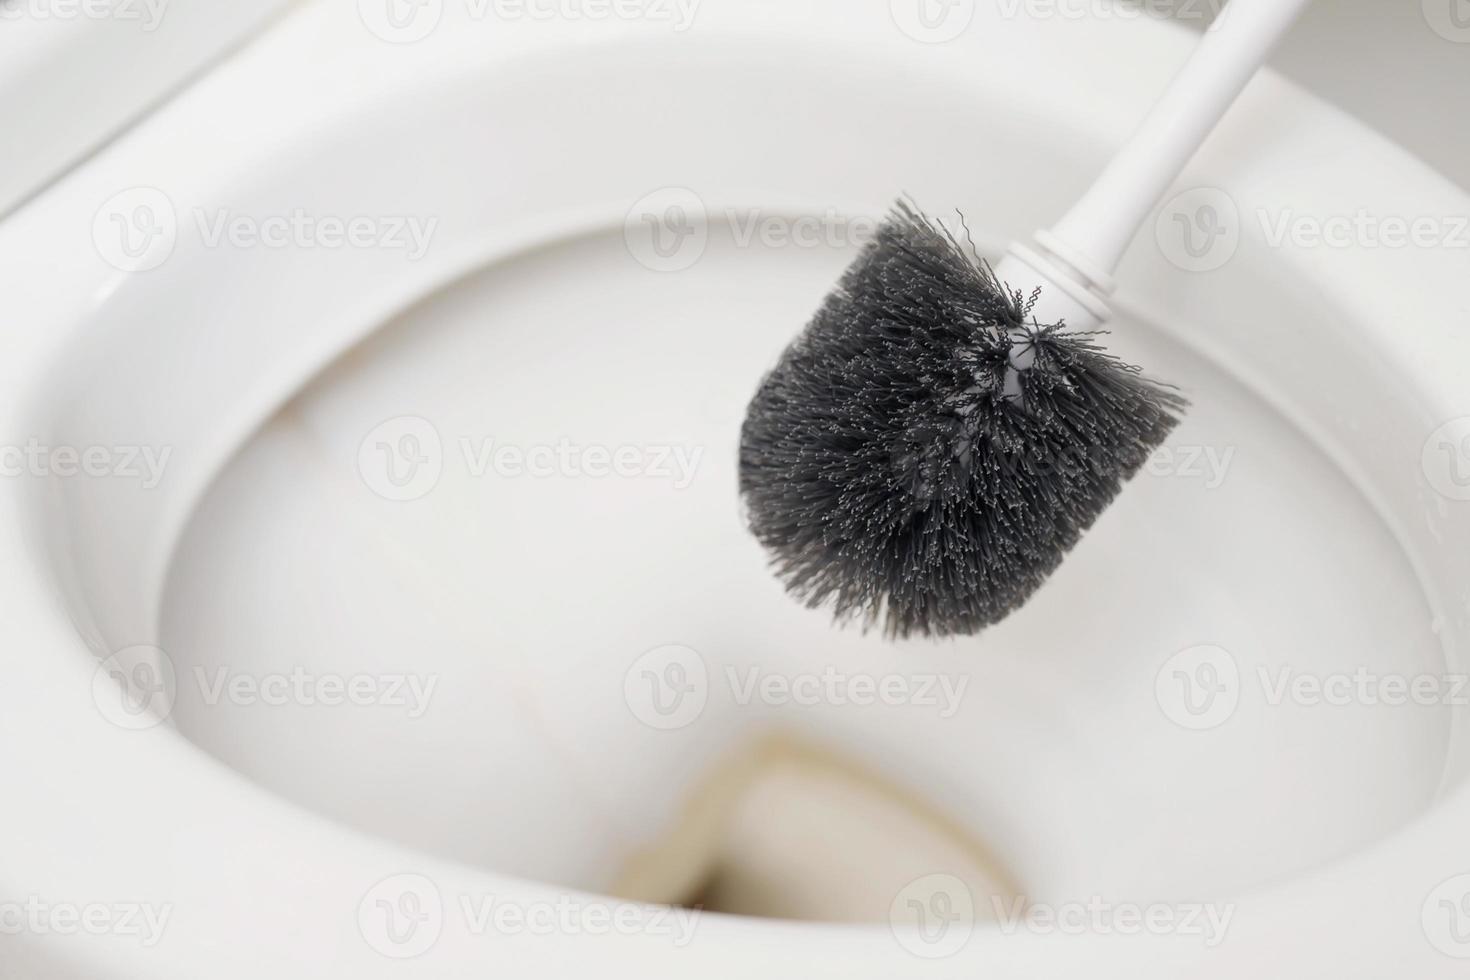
<point>929,449</point>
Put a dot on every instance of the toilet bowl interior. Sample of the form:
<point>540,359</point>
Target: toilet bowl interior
<point>1087,743</point>
<point>1071,741</point>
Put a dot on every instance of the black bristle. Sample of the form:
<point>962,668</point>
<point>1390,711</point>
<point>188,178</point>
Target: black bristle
<point>886,471</point>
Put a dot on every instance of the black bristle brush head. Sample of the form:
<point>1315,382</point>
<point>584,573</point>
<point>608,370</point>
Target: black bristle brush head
<point>890,473</point>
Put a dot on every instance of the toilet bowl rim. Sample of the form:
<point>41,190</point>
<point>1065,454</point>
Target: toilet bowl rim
<point>50,628</point>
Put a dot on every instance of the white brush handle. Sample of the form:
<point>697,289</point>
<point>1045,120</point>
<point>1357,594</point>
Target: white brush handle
<point>1073,263</point>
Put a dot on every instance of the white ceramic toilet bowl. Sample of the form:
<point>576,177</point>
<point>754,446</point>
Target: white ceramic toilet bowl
<point>283,845</point>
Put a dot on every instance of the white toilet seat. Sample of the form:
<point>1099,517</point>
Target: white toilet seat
<point>260,885</point>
